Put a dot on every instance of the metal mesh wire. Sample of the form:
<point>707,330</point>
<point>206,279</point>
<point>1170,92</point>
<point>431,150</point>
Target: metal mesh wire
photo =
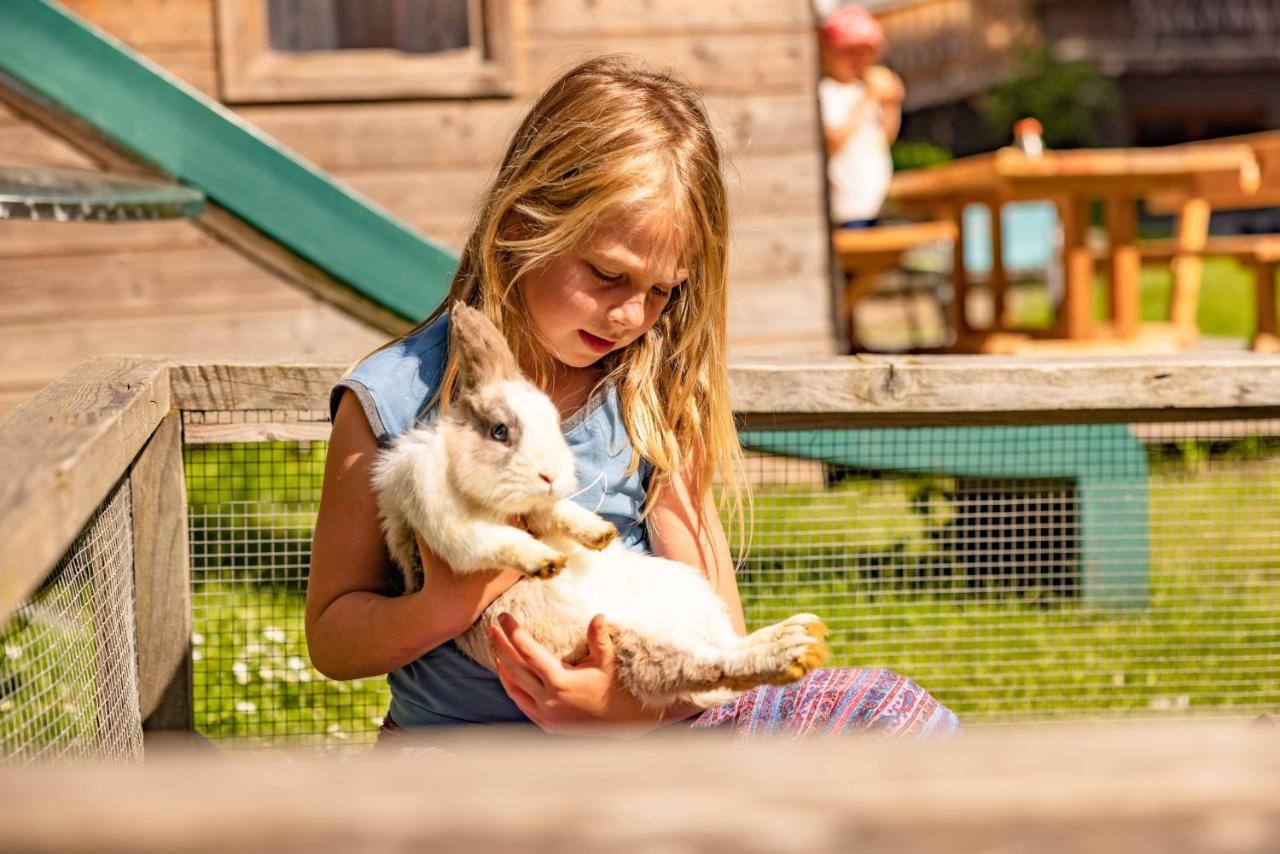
<point>1077,571</point>
<point>251,511</point>
<point>68,675</point>
<point>1015,572</point>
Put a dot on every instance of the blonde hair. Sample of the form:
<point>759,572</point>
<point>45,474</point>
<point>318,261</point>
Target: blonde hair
<point>610,138</point>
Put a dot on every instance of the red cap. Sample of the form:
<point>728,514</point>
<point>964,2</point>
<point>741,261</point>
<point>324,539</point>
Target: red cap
<point>851,26</point>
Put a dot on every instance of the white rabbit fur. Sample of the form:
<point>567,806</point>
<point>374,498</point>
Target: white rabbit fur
<point>458,482</point>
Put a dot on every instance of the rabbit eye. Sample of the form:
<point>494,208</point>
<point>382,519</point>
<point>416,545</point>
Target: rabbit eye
<point>498,432</point>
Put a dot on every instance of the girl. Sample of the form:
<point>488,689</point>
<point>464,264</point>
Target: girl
<point>600,252</point>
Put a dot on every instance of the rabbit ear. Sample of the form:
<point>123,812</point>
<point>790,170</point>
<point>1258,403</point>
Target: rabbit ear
<point>483,354</point>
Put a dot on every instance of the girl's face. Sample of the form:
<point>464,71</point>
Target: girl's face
<point>605,293</point>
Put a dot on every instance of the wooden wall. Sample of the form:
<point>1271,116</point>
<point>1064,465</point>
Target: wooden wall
<point>427,161</point>
<point>70,291</point>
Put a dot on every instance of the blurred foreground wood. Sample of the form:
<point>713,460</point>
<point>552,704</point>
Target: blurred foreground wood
<point>1188,788</point>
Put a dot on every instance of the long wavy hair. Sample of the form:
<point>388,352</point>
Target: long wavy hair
<point>610,138</point>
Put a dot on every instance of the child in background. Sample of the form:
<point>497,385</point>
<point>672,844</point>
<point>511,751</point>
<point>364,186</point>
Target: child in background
<point>600,252</point>
<point>861,105</point>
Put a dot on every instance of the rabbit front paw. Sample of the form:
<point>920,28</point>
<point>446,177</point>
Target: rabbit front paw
<point>594,533</point>
<point>534,559</point>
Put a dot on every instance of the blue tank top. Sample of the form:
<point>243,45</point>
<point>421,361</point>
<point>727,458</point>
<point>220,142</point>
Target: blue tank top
<point>394,387</point>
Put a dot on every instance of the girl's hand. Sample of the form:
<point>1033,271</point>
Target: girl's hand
<point>580,699</point>
<point>463,597</point>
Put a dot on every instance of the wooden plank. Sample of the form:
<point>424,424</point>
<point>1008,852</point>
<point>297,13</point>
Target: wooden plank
<point>147,24</point>
<point>450,134</point>
<point>891,238</point>
<point>1008,174</point>
<point>197,68</point>
<point>1056,389</point>
<point>773,186</point>
<point>586,18</point>
<point>765,250</point>
<point>39,353</point>
<point>715,63</point>
<point>37,239</point>
<point>1188,788</point>
<point>11,394</point>
<point>219,434</point>
<point>248,385</point>
<point>136,285</point>
<point>162,580</point>
<point>797,308</point>
<point>62,452</point>
<point>424,134</point>
<point>23,144</point>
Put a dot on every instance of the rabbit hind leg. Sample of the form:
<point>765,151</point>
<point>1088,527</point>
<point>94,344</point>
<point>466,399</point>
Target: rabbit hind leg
<point>660,672</point>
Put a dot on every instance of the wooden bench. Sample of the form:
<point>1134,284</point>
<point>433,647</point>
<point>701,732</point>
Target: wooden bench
<point>865,253</point>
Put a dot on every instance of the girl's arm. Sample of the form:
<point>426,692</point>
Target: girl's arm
<point>684,526</point>
<point>355,628</point>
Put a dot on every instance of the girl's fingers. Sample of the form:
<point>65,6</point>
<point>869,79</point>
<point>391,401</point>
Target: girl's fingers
<point>535,655</point>
<point>599,643</point>
<point>523,701</point>
<point>518,670</point>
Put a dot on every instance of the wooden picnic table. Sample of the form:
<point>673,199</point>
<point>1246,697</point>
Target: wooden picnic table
<point>1073,180</point>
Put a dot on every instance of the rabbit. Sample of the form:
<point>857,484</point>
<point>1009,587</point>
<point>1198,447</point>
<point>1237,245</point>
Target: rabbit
<point>497,453</point>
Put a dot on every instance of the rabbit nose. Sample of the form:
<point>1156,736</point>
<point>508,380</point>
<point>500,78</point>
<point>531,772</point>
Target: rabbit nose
<point>548,479</point>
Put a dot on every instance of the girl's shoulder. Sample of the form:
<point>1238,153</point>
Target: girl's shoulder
<point>395,385</point>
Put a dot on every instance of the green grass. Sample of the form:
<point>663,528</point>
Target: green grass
<point>254,682</point>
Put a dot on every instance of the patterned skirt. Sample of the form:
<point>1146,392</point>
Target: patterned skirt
<point>828,703</point>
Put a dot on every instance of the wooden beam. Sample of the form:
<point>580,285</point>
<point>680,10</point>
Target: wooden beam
<point>1188,788</point>
<point>162,580</point>
<point>864,387</point>
<point>233,386</point>
<point>62,452</point>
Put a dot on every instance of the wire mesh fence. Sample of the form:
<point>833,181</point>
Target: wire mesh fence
<point>251,511</point>
<point>1016,572</point>
<point>68,674</point>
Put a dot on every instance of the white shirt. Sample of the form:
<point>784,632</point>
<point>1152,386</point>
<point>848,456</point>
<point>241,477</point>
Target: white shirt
<point>859,172</point>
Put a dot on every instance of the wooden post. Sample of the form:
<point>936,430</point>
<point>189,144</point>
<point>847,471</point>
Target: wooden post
<point>1126,267</point>
<point>999,277</point>
<point>1075,319</point>
<point>1193,231</point>
<point>1266,338</point>
<point>162,577</point>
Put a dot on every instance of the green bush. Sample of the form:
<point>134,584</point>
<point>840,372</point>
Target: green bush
<point>1073,101</point>
<point>912,154</point>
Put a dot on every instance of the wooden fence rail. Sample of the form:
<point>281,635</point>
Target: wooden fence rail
<point>1186,788</point>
